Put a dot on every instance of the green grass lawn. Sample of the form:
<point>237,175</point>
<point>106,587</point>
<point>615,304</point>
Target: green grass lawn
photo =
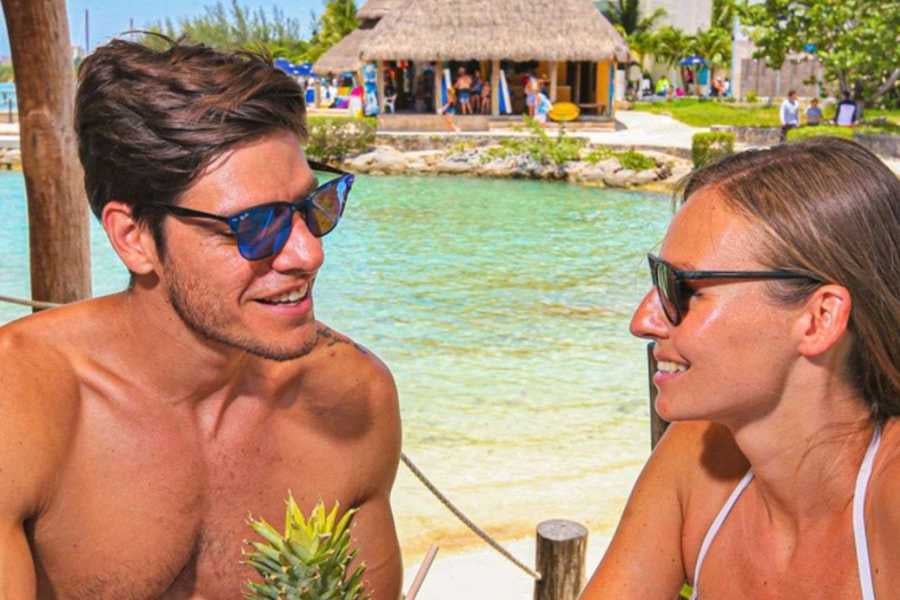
<point>704,113</point>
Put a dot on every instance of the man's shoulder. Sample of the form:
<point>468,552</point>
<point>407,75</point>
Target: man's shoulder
<point>39,408</point>
<point>353,371</point>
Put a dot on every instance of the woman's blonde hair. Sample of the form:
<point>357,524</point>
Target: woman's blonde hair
<point>828,208</point>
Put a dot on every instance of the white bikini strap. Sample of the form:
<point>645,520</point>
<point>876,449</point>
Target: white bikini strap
<point>714,528</point>
<point>859,518</point>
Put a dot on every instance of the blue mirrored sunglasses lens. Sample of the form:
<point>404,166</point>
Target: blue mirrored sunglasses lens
<point>263,231</point>
<point>327,205</point>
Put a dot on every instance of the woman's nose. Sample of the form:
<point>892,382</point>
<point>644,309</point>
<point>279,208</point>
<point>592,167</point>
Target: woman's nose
<point>649,321</point>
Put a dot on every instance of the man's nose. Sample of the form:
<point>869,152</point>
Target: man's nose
<point>303,251</point>
<point>649,321</point>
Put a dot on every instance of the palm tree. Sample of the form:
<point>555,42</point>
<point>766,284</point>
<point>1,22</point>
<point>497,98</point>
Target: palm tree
<point>714,45</point>
<point>625,15</point>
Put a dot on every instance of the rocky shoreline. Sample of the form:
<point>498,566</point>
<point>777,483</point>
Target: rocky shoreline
<point>484,162</point>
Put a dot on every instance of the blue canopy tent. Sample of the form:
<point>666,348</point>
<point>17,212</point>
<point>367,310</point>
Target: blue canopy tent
<point>302,70</point>
<point>698,65</point>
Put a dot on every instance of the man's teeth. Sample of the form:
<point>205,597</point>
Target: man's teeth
<point>670,367</point>
<point>292,296</point>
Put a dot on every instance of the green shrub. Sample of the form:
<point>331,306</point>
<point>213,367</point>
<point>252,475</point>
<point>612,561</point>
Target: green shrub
<point>709,147</point>
<point>598,154</point>
<point>804,133</point>
<point>752,97</point>
<point>331,139</point>
<point>635,161</point>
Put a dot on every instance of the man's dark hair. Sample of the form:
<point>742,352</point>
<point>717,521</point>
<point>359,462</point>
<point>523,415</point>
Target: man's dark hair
<point>150,121</point>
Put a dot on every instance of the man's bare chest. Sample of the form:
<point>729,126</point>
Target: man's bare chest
<point>149,512</point>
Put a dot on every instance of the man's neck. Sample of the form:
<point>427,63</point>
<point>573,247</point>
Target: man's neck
<point>179,363</point>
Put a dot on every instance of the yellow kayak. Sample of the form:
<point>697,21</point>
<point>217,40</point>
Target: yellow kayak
<point>564,111</point>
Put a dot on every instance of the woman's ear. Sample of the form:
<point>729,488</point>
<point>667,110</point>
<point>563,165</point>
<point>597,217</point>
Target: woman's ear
<point>824,320</point>
<point>132,240</point>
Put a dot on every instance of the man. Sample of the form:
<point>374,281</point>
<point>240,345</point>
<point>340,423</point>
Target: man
<point>789,114</point>
<point>463,87</point>
<point>139,430</point>
<point>845,114</point>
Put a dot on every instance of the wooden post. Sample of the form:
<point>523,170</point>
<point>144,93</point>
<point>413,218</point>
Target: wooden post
<point>553,78</point>
<point>657,425</point>
<point>495,88</point>
<point>559,559</point>
<point>57,208</point>
<point>438,78</point>
<point>379,85</point>
<point>318,100</point>
<point>576,98</point>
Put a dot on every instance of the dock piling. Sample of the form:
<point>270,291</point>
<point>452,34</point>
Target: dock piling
<point>560,552</point>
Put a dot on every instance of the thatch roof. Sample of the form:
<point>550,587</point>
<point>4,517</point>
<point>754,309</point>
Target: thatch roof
<point>376,9</point>
<point>343,56</point>
<point>521,30</point>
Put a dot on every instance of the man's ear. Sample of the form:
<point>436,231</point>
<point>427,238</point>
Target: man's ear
<point>133,241</point>
<point>824,319</point>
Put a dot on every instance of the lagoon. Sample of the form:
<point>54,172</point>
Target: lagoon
<point>502,308</point>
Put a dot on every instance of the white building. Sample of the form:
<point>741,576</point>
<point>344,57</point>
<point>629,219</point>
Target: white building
<point>687,15</point>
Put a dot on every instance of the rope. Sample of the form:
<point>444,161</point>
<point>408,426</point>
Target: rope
<point>406,460</point>
<point>31,303</point>
<point>468,523</point>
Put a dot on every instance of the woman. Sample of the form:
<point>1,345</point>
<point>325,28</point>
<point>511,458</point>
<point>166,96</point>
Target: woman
<point>780,476</point>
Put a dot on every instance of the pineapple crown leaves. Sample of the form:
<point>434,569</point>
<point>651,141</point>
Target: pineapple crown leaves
<point>309,561</point>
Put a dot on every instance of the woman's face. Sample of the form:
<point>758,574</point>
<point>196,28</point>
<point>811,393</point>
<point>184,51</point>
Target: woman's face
<point>729,358</point>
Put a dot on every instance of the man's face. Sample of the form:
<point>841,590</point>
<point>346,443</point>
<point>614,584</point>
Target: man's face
<point>263,307</point>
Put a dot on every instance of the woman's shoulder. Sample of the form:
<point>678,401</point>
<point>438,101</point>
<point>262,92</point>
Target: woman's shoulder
<point>883,504</point>
<point>885,480</point>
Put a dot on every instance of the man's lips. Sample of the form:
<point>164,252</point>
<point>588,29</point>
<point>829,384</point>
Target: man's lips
<point>291,295</point>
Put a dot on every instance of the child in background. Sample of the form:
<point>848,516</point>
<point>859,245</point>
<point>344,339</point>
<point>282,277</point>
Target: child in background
<point>542,108</point>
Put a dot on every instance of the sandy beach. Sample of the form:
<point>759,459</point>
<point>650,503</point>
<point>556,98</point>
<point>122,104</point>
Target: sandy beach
<point>484,574</point>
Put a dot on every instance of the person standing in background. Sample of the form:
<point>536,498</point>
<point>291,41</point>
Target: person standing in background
<point>789,114</point>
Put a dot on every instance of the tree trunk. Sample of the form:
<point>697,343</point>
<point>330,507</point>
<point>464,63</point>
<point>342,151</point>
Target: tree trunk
<point>57,208</point>
<point>888,85</point>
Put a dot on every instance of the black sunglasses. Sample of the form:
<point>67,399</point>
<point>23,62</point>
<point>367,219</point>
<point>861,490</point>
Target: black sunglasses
<point>262,231</point>
<point>674,293</point>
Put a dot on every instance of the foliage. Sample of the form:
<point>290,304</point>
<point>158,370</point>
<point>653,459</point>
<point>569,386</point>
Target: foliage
<point>625,15</point>
<point>540,146</point>
<point>338,19</point>
<point>856,40</point>
<point>752,97</point>
<point>236,28</point>
<point>629,159</point>
<point>310,561</point>
<point>670,45</point>
<point>707,148</point>
<point>804,133</point>
<point>599,153</point>
<point>331,139</point>
<point>723,13</point>
<point>714,45</point>
<point>6,73</point>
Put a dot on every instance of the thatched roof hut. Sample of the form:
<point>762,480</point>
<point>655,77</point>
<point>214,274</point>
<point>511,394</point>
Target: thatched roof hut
<point>376,9</point>
<point>519,30</point>
<point>344,56</point>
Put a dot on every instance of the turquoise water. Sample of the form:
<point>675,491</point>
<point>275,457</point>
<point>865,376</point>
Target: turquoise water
<point>502,308</point>
<point>7,95</point>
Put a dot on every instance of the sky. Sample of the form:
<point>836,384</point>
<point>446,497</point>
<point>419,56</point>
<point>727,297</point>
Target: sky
<point>111,17</point>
